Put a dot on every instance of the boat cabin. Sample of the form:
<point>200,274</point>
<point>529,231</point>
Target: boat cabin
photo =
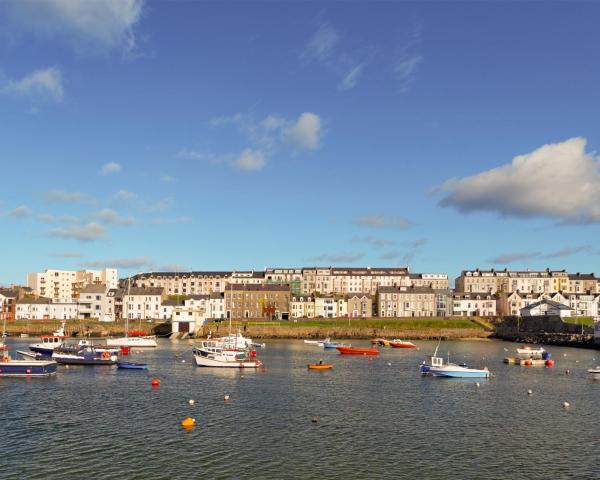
<point>52,340</point>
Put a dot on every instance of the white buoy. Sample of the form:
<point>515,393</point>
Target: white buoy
<point>564,354</point>
<point>389,364</point>
<point>477,384</point>
<point>191,402</point>
<point>226,397</point>
<point>183,361</point>
<point>530,392</point>
<point>566,404</point>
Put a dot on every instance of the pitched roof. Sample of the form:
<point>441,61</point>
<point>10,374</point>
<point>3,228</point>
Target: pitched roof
<point>101,288</point>
<point>257,288</point>
<point>34,301</point>
<point>419,290</point>
<point>560,306</point>
<point>144,291</point>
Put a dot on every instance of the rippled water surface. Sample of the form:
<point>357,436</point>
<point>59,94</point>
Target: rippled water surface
<point>377,418</point>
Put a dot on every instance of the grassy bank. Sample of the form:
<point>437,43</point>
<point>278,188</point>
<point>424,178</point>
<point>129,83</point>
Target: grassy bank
<point>409,328</point>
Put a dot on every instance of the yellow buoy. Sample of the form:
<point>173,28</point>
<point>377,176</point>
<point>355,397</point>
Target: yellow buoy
<point>188,423</point>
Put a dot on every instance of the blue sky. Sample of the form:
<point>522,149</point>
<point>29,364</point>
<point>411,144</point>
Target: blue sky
<point>222,135</point>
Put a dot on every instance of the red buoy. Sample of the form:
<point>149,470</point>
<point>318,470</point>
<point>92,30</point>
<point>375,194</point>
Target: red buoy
<point>549,363</point>
<point>155,382</point>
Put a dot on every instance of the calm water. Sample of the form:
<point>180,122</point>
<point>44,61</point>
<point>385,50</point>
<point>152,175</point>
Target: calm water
<point>377,419</point>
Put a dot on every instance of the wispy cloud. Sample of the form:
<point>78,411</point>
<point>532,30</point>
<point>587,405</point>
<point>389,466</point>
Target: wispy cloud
<point>124,196</point>
<point>21,211</point>
<point>49,218</point>
<point>167,179</point>
<point>93,25</point>
<point>380,220</point>
<point>89,232</point>
<point>111,217</point>
<point>173,267</point>
<point>336,258</point>
<point>376,242</point>
<point>171,221</point>
<point>351,79</point>
<point>528,186</point>
<point>528,256</point>
<point>322,44</point>
<point>125,263</point>
<point>409,57</point>
<point>305,132</point>
<point>43,83</point>
<point>61,196</point>
<point>250,160</point>
<point>110,167</point>
<point>71,254</point>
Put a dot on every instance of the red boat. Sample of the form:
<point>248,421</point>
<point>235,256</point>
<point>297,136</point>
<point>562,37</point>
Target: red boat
<point>401,344</point>
<point>357,351</point>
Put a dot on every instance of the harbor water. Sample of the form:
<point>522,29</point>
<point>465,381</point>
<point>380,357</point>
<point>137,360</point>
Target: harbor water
<point>374,418</point>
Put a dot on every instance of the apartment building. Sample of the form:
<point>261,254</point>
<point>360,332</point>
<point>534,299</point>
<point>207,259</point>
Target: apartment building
<point>407,302</point>
<point>143,303</point>
<point>257,301</point>
<point>437,281</point>
<point>331,306</point>
<point>182,283</point>
<point>65,285</point>
<point>95,302</point>
<point>285,276</point>
<point>40,308</point>
<point>344,281</point>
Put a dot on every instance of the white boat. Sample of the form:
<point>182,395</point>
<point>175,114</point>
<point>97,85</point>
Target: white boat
<point>233,342</point>
<point>458,371</point>
<point>528,352</point>
<point>320,343</point>
<point>595,373</point>
<point>148,341</point>
<point>211,354</point>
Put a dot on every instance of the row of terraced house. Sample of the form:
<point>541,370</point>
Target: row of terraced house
<point>291,293</point>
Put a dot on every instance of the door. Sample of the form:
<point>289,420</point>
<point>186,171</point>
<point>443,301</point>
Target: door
<point>184,327</point>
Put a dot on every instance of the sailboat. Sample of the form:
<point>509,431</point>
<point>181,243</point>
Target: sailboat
<point>145,341</point>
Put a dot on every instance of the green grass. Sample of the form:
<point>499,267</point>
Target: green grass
<point>587,321</point>
<point>403,323</point>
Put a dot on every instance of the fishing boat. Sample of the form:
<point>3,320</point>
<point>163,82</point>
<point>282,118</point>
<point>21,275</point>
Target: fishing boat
<point>131,365</point>
<point>332,345</point>
<point>458,371</point>
<point>211,354</point>
<point>10,367</point>
<point>528,352</point>
<point>84,356</point>
<point>434,361</point>
<point>347,350</point>
<point>234,341</point>
<point>319,366</point>
<point>49,342</point>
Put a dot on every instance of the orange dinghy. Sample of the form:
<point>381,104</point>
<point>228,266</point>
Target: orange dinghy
<point>319,366</point>
<point>401,344</point>
<point>357,351</point>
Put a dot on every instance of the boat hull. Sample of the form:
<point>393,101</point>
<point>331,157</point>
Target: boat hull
<point>136,342</point>
<point>132,366</point>
<point>459,372</point>
<point>324,366</point>
<point>209,362</point>
<point>27,368</point>
<point>402,345</point>
<point>357,351</point>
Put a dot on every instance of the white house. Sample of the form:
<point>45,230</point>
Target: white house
<point>331,307</point>
<point>546,307</point>
<point>473,304</point>
<point>143,303</point>
<point>302,306</point>
<point>94,302</point>
<point>216,306</point>
<point>44,309</point>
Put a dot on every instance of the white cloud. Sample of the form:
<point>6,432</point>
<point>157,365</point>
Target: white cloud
<point>523,256</point>
<point>110,167</point>
<point>49,218</point>
<point>305,132</point>
<point>122,263</point>
<point>336,258</point>
<point>250,160</point>
<point>20,212</point>
<point>406,69</point>
<point>85,24</point>
<point>89,232</point>
<point>167,179</point>
<point>43,83</point>
<point>376,242</point>
<point>351,79</point>
<point>379,220</point>
<point>61,196</point>
<point>71,254</point>
<point>559,181</point>
<point>124,196</point>
<point>322,44</point>
<point>173,267</point>
<point>111,217</point>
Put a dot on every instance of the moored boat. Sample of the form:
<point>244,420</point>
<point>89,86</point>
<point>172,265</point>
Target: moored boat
<point>533,353</point>
<point>319,366</point>
<point>457,371</point>
<point>10,367</point>
<point>84,356</point>
<point>212,354</point>
<point>331,345</point>
<point>344,350</point>
<point>49,342</point>
<point>397,343</point>
<point>148,341</point>
<point>317,342</point>
<point>131,365</point>
<point>594,373</point>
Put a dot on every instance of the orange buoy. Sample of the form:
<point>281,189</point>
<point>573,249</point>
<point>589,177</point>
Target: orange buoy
<point>549,363</point>
<point>527,363</point>
<point>155,382</point>
<point>188,423</point>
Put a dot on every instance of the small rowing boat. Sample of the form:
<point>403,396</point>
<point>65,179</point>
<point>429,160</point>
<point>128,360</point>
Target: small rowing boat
<point>317,342</point>
<point>132,366</point>
<point>357,351</point>
<point>319,366</point>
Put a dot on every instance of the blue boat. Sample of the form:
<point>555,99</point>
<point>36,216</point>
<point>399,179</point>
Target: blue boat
<point>456,371</point>
<point>86,356</point>
<point>26,368</point>
<point>333,345</point>
<point>132,366</point>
